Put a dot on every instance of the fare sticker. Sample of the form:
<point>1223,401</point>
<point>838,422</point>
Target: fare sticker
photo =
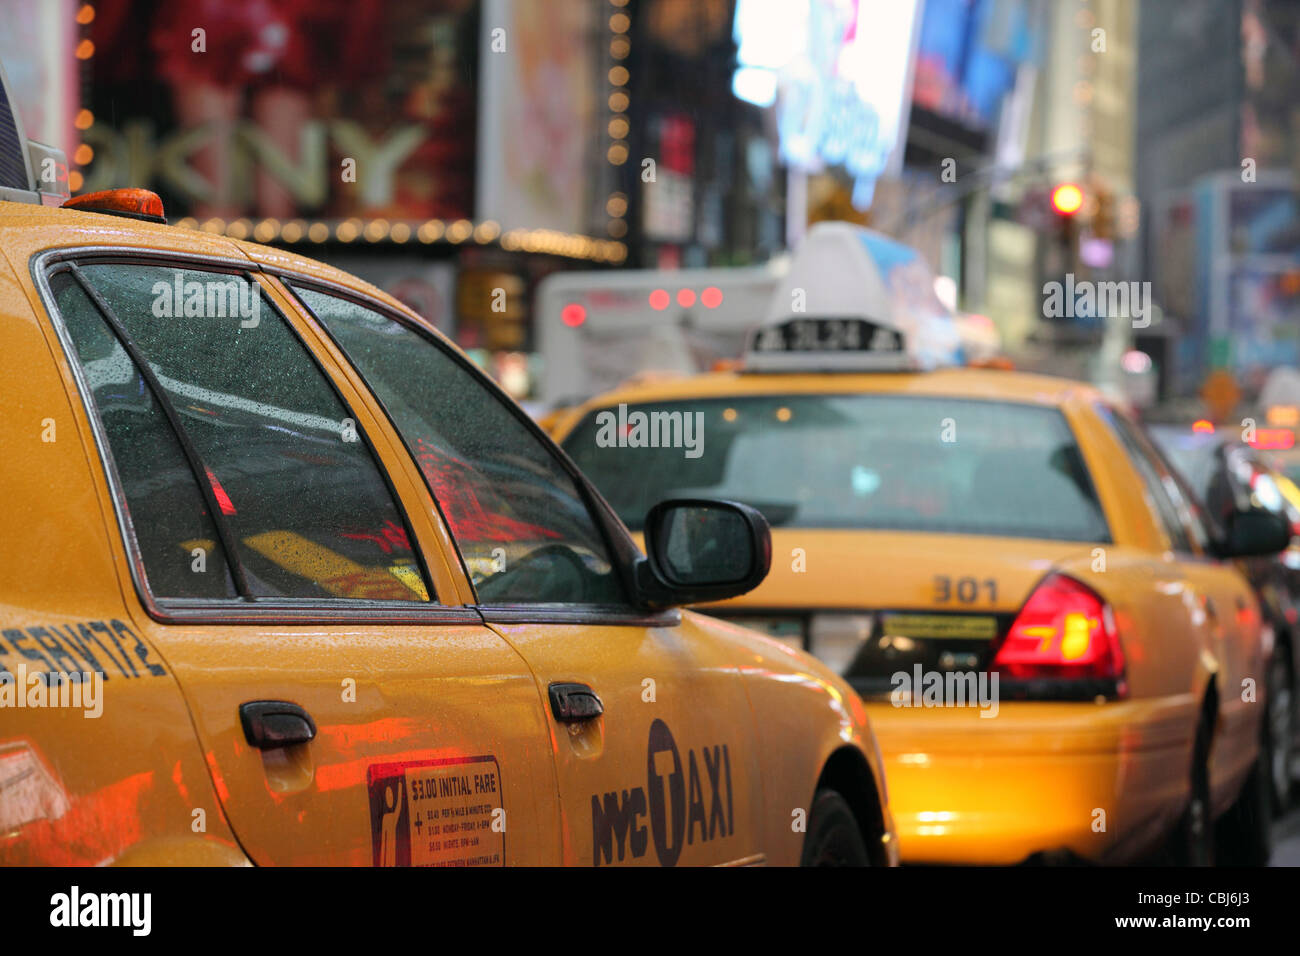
<point>437,813</point>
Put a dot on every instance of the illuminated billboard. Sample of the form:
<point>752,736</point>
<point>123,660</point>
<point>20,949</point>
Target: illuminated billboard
<point>838,73</point>
<point>283,109</point>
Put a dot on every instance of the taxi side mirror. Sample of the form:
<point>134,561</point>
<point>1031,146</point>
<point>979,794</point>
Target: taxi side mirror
<point>701,550</point>
<point>1256,532</point>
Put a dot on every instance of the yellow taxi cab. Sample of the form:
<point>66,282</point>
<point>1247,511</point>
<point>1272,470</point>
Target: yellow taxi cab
<point>1057,661</point>
<point>288,581</point>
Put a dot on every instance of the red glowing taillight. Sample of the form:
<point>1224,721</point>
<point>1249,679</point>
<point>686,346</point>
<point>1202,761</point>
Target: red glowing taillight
<point>1064,631</point>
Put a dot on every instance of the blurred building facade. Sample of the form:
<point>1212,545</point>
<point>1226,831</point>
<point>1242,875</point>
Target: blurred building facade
<point>1218,88</point>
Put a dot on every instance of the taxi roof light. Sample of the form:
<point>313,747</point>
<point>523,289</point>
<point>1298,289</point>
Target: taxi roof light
<point>132,203</point>
<point>1064,631</point>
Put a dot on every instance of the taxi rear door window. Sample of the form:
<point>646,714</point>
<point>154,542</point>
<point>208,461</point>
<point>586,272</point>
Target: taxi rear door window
<point>173,528</point>
<point>296,492</point>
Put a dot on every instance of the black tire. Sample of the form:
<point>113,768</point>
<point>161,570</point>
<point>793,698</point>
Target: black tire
<point>1243,836</point>
<point>1279,730</point>
<point>833,837</point>
<point>1193,842</point>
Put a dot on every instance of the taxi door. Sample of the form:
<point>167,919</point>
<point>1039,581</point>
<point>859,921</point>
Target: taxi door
<point>648,723</point>
<point>652,737</point>
<point>293,575</point>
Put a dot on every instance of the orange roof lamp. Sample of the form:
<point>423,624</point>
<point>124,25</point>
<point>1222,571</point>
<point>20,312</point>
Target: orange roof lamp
<point>132,203</point>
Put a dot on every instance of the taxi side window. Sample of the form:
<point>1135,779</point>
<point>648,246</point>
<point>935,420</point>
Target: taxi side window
<point>1195,518</point>
<point>295,491</point>
<point>174,532</point>
<point>1160,486</point>
<point>522,526</point>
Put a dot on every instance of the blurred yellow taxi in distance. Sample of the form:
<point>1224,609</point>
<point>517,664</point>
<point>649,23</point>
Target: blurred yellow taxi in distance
<point>1052,651</point>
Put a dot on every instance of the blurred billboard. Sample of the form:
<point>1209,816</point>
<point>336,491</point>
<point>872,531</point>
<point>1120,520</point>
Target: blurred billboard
<point>283,108</point>
<point>537,113</point>
<point>838,72</point>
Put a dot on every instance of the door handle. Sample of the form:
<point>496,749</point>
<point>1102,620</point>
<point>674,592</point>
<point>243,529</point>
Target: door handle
<point>574,702</point>
<point>272,724</point>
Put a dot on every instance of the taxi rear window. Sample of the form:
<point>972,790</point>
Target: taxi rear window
<point>243,472</point>
<point>905,463</point>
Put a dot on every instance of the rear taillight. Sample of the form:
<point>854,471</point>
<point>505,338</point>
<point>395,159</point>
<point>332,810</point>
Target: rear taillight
<point>1065,632</point>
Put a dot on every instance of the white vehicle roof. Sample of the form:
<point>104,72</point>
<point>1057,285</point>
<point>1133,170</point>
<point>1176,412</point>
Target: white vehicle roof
<point>846,272</point>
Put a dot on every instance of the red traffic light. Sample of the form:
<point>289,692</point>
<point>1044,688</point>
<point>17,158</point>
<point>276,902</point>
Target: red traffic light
<point>1067,199</point>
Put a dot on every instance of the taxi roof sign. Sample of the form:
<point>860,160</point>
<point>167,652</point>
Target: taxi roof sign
<point>827,345</point>
<point>854,299</point>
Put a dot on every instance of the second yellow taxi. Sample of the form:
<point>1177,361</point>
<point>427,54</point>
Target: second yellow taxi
<point>1059,661</point>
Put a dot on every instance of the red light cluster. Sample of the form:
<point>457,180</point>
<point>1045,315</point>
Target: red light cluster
<point>1065,630</point>
<point>710,298</point>
<point>1273,439</point>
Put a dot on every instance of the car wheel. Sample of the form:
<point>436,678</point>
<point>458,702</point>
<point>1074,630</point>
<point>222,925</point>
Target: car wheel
<point>1193,841</point>
<point>1279,730</point>
<point>833,837</point>
<point>1244,834</point>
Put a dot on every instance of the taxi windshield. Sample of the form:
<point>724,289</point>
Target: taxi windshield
<point>850,461</point>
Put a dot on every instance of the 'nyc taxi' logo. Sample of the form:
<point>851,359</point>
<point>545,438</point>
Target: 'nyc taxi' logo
<point>673,799</point>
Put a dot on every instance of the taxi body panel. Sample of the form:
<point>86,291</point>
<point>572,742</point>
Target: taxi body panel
<point>1092,780</point>
<point>449,694</point>
<point>1033,780</point>
<point>149,796</point>
<point>691,716</point>
<point>783,686</point>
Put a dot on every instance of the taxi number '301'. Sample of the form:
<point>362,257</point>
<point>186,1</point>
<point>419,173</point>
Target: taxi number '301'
<point>966,590</point>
